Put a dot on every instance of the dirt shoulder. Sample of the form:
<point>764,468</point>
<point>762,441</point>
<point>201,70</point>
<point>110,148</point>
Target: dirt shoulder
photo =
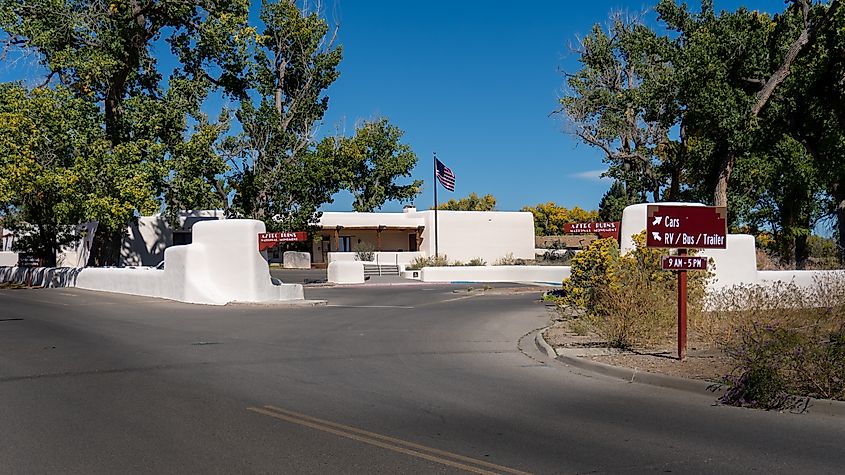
<point>703,362</point>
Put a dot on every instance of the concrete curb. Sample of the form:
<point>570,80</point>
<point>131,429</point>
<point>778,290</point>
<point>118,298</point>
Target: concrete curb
<point>280,303</point>
<point>571,358</point>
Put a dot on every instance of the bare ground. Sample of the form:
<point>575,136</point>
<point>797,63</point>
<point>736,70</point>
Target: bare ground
<point>703,361</point>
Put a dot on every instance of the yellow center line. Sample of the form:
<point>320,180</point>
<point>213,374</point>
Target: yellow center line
<point>397,441</point>
<point>384,441</point>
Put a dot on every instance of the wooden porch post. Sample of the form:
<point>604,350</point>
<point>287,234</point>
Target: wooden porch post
<point>378,237</point>
<point>337,238</point>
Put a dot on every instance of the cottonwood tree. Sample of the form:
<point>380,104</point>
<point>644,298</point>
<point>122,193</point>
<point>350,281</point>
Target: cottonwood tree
<point>473,202</point>
<point>740,72</point>
<point>103,53</point>
<point>280,175</point>
<point>751,88</point>
<point>621,102</point>
<point>377,159</point>
<point>53,150</point>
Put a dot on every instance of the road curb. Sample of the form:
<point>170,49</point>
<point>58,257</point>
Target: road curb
<point>571,358</point>
<point>280,303</point>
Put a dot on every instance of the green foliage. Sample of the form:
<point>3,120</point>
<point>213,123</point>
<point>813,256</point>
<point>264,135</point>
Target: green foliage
<point>280,176</point>
<point>629,300</point>
<point>759,130</point>
<point>102,53</point>
<point>761,151</point>
<point>376,158</point>
<point>365,252</point>
<point>613,202</point>
<point>477,261</point>
<point>471,203</point>
<point>57,169</point>
<point>621,102</point>
<point>550,218</point>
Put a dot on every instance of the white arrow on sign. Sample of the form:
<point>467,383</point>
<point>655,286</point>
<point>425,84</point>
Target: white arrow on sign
<point>657,220</point>
<point>656,236</point>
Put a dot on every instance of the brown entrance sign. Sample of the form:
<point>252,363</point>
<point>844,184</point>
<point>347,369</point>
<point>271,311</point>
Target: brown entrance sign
<point>607,229</point>
<point>686,227</point>
<point>268,240</point>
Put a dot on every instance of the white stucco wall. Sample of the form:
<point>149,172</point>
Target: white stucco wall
<point>463,235</point>
<point>346,272</point>
<point>221,265</point>
<point>490,235</point>
<point>8,258</point>
<point>541,274</point>
<point>147,239</point>
<point>384,258</point>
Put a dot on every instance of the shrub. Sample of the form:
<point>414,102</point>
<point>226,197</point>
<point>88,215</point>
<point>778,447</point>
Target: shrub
<point>365,252</point>
<point>430,261</point>
<point>629,301</point>
<point>477,261</point>
<point>509,260</point>
<point>786,342</point>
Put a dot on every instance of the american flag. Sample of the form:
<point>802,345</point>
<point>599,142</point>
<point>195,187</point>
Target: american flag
<point>445,175</point>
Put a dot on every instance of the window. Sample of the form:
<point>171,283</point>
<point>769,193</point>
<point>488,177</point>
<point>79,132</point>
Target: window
<point>345,244</point>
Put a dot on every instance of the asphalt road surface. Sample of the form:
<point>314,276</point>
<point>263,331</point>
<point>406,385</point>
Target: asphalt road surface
<point>414,379</point>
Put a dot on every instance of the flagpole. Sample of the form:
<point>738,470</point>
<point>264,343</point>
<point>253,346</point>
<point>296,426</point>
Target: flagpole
<point>435,205</point>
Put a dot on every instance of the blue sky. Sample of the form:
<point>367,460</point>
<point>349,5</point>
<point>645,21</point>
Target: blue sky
<point>476,81</point>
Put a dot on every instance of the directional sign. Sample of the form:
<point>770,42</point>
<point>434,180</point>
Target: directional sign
<point>608,229</point>
<point>268,240</point>
<point>28,260</point>
<point>686,227</point>
<point>684,263</point>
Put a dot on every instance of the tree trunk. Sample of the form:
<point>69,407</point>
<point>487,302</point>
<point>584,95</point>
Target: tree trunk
<point>720,192</point>
<point>839,195</point>
<point>105,250</point>
<point>674,185</point>
<point>802,252</point>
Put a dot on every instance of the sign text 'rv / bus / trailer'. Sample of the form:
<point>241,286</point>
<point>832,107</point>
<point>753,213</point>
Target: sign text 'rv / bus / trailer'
<point>686,227</point>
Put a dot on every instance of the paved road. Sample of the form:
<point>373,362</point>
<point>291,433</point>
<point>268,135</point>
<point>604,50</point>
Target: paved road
<point>383,380</point>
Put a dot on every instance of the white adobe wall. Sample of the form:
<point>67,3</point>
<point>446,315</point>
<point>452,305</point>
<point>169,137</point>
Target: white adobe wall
<point>552,275</point>
<point>345,272</point>
<point>490,235</point>
<point>221,265</point>
<point>151,235</point>
<point>8,258</point>
<point>146,241</point>
<point>385,258</point>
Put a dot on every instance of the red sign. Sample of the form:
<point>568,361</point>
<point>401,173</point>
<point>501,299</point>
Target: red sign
<point>684,263</point>
<point>610,229</point>
<point>687,227</point>
<point>268,240</point>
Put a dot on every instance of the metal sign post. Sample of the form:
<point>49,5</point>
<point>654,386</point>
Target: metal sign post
<point>683,227</point>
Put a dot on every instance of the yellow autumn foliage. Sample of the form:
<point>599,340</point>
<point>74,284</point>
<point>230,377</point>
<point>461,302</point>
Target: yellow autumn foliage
<point>629,300</point>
